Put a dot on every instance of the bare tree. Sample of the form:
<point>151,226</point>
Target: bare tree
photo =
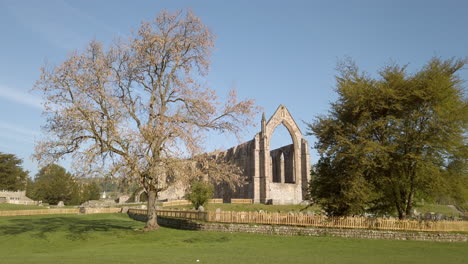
<point>140,109</point>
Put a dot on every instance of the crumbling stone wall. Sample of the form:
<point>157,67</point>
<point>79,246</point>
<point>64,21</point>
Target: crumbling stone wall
<point>278,176</point>
<point>282,163</point>
<point>15,197</point>
<point>242,156</point>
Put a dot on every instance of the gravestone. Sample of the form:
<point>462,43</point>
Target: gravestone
<point>439,217</point>
<point>60,204</point>
<point>201,208</point>
<point>428,216</point>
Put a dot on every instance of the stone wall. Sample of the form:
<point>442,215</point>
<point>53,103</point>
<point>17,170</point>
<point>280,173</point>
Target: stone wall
<point>306,231</point>
<point>242,156</point>
<point>15,197</point>
<point>278,176</point>
<point>284,193</point>
<point>282,163</point>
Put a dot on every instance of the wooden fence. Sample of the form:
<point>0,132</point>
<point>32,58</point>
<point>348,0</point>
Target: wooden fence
<point>241,201</point>
<point>215,201</point>
<point>40,212</point>
<point>335,222</point>
<point>176,202</point>
<point>101,210</point>
<point>186,202</point>
<point>315,221</point>
<point>61,211</point>
<point>184,214</point>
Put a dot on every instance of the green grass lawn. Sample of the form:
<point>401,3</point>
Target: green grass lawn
<point>112,238</point>
<point>437,208</point>
<point>254,207</point>
<point>10,207</point>
<point>443,209</point>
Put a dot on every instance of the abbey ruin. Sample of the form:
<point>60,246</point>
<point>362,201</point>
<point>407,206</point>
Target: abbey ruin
<point>278,176</point>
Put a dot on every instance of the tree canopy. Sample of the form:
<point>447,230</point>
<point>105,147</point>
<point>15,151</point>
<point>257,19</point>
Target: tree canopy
<point>388,141</point>
<point>12,175</point>
<point>199,194</point>
<point>141,109</point>
<point>53,184</point>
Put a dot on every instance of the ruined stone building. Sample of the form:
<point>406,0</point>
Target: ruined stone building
<point>16,197</point>
<point>278,176</point>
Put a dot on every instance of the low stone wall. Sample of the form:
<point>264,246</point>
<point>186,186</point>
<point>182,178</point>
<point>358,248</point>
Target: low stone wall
<point>306,231</point>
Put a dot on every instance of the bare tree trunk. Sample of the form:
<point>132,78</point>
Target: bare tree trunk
<point>152,222</point>
<point>409,204</point>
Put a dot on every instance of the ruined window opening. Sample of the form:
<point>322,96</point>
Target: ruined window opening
<point>282,156</point>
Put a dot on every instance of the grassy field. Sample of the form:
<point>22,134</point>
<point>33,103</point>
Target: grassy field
<point>443,209</point>
<point>437,208</point>
<point>114,238</point>
<point>254,207</point>
<point>12,207</point>
<point>8,207</point>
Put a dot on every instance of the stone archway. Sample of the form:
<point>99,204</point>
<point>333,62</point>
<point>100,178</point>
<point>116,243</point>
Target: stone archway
<point>275,192</point>
<point>138,195</point>
<point>255,157</point>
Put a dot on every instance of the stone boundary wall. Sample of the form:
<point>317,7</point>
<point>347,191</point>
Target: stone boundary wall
<point>306,231</point>
<point>16,197</point>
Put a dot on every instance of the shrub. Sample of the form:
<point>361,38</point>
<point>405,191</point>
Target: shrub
<point>200,193</point>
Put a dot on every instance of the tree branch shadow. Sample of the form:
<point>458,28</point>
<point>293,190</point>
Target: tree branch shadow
<point>73,228</point>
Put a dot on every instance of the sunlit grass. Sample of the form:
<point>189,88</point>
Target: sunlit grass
<point>115,238</point>
<point>254,207</point>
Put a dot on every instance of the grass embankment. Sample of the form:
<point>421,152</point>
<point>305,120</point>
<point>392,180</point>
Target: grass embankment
<point>11,207</point>
<point>437,208</point>
<point>253,207</point>
<point>111,238</point>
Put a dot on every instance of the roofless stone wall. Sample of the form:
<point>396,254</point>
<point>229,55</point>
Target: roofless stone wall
<point>277,176</point>
<point>15,197</point>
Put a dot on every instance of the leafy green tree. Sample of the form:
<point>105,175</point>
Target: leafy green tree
<point>29,187</point>
<point>12,175</point>
<point>453,188</point>
<point>140,107</point>
<point>76,195</point>
<point>53,184</point>
<point>93,191</point>
<point>387,141</point>
<point>200,193</point>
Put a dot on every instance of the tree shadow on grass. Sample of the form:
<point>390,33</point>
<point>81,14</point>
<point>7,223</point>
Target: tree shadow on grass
<point>73,228</point>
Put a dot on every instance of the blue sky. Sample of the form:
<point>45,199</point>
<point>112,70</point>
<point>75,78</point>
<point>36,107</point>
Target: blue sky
<point>277,52</point>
